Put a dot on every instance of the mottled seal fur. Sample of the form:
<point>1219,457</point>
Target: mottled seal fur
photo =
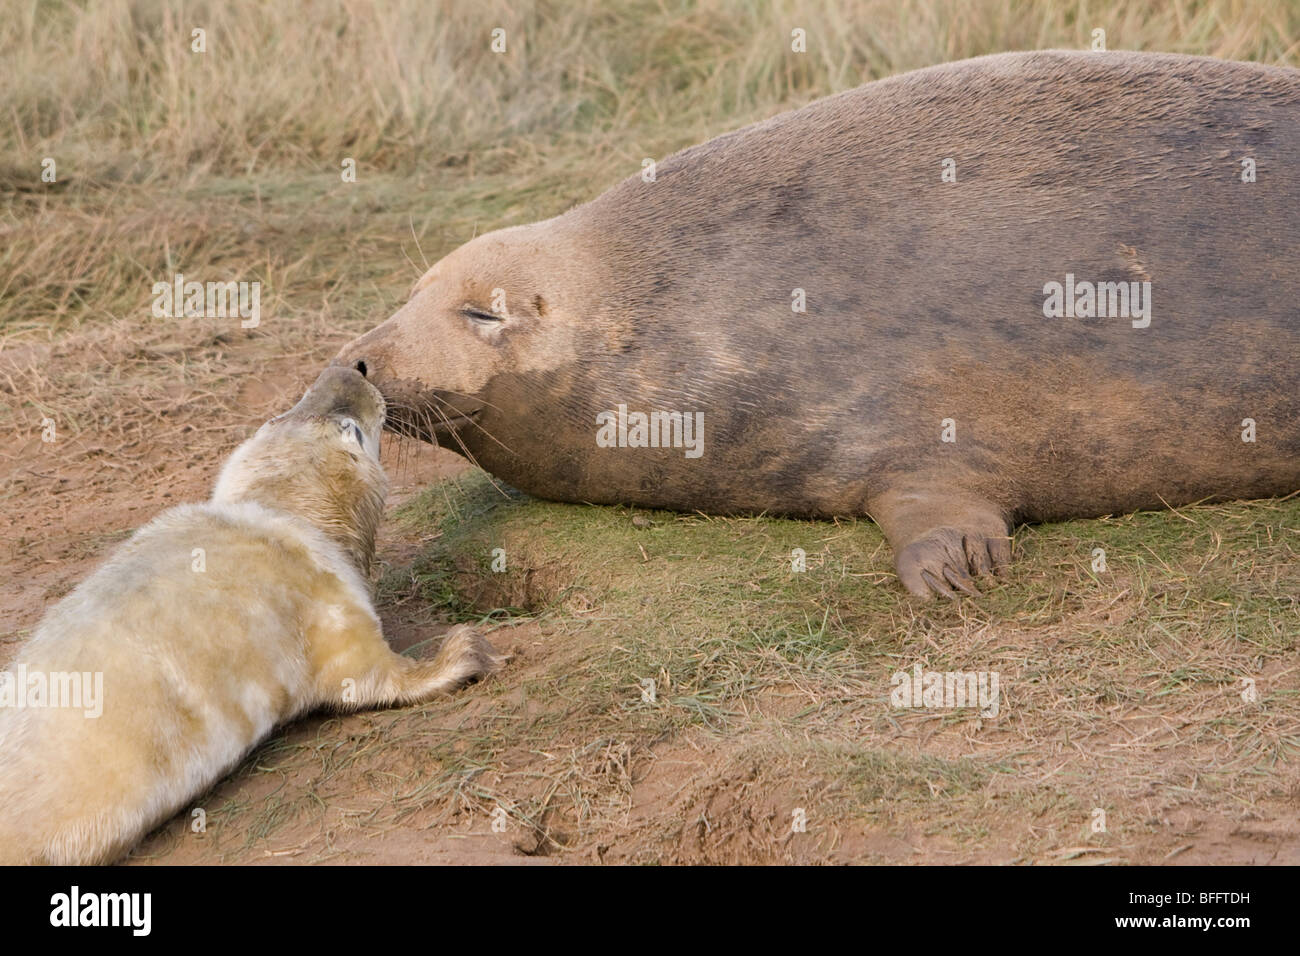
<point>210,626</point>
<point>925,310</point>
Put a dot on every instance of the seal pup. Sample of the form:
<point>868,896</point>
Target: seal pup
<point>207,628</point>
<point>875,305</point>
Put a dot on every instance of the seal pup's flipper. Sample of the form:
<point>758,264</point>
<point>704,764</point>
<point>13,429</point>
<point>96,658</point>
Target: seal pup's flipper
<point>942,539</point>
<point>358,670</point>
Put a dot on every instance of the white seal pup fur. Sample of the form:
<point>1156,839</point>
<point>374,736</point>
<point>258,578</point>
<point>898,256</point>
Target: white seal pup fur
<point>209,627</point>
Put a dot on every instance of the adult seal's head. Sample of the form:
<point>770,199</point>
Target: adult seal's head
<point>467,356</point>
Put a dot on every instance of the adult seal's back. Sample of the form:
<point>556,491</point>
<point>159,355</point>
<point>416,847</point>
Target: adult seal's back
<point>1034,286</point>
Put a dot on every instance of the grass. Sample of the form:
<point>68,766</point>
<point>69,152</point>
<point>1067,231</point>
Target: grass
<point>1135,673</point>
<point>401,85</point>
<point>1121,689</point>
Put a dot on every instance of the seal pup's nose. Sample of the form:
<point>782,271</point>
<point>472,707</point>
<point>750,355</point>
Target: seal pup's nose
<point>340,389</point>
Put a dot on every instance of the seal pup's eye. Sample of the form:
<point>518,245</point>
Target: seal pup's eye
<point>480,317</point>
<point>352,432</point>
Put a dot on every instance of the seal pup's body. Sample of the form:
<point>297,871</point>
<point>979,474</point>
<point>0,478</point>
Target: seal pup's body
<point>210,626</point>
<point>924,312</point>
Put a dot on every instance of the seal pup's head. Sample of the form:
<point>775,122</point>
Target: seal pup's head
<point>319,461</point>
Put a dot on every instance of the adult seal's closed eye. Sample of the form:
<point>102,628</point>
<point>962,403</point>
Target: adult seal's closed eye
<point>1034,286</point>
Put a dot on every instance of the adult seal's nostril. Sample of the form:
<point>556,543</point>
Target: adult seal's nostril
<point>363,364</point>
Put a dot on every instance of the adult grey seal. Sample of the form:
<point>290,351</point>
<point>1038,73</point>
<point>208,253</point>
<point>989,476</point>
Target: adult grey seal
<point>1036,286</point>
